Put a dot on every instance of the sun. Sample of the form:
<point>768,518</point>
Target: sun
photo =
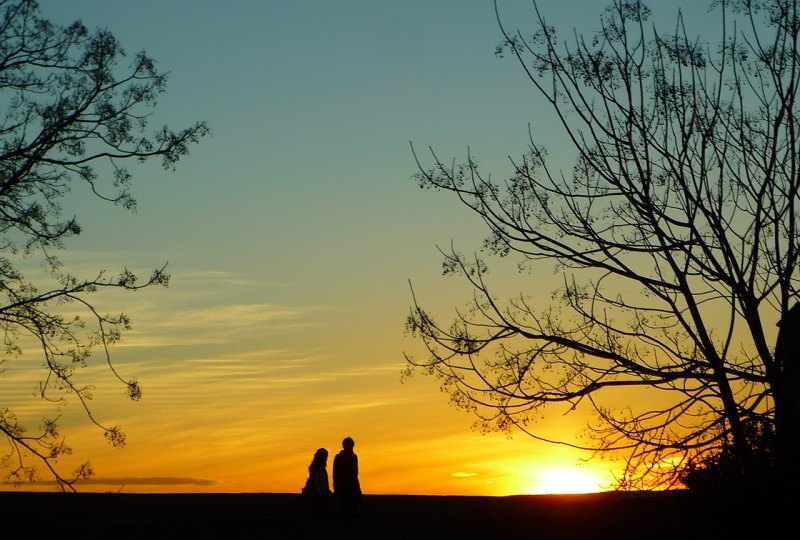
<point>563,480</point>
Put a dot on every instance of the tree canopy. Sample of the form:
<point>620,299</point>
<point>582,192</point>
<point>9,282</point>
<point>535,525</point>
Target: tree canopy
<point>71,99</point>
<point>676,233</point>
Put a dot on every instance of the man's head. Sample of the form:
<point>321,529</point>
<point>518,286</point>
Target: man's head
<point>348,443</point>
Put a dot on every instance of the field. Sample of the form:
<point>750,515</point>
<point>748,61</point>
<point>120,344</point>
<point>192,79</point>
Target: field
<point>282,516</point>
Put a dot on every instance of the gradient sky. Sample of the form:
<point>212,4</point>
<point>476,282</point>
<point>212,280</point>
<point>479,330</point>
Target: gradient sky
<point>291,234</point>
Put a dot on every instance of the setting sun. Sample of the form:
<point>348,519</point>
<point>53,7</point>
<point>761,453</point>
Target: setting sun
<point>290,250</point>
<point>561,480</point>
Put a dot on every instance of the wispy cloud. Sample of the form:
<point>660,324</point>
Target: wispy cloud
<point>134,481</point>
<point>231,316</point>
<point>150,481</point>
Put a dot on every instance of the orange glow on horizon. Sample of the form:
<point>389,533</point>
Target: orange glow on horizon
<point>562,479</point>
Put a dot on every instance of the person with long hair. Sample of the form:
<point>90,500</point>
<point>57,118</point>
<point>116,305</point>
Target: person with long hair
<point>317,490</point>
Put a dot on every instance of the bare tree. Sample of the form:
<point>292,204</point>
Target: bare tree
<point>67,106</point>
<point>676,233</point>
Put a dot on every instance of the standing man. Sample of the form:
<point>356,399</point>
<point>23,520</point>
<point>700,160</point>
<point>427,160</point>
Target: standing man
<point>346,487</point>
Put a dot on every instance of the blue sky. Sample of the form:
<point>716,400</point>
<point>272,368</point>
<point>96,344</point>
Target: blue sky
<point>292,232</point>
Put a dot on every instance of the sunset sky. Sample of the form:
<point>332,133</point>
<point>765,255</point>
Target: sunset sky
<point>292,233</point>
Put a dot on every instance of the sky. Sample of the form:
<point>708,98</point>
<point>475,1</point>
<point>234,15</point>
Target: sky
<point>292,233</point>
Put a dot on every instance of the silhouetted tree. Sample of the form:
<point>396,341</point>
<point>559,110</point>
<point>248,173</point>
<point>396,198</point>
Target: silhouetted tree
<point>67,106</point>
<point>676,233</point>
<point>720,472</point>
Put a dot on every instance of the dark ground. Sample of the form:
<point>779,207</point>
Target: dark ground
<point>597,516</point>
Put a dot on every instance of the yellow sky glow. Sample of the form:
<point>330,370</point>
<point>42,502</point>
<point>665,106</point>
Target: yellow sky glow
<point>291,235</point>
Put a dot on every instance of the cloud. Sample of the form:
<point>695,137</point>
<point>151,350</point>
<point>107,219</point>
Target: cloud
<point>219,324</point>
<point>139,481</point>
<point>465,474</point>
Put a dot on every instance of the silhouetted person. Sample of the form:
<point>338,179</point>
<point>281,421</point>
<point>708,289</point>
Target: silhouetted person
<point>346,487</point>
<point>317,491</point>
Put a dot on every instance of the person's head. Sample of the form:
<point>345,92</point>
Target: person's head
<point>348,443</point>
<point>320,458</point>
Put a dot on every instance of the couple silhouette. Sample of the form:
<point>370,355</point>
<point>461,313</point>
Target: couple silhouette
<point>346,485</point>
